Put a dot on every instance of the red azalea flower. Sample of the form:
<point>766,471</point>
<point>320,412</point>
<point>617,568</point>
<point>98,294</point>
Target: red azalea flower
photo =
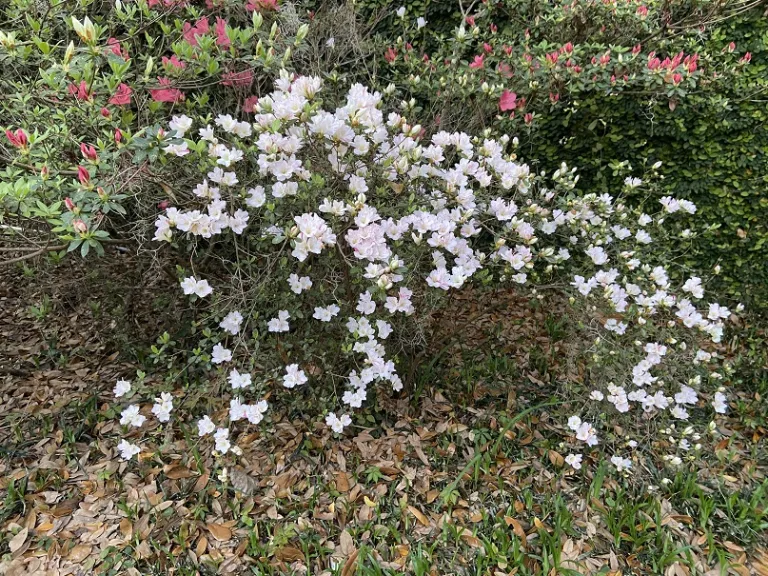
<point>477,63</point>
<point>189,32</point>
<point>80,91</point>
<point>221,33</point>
<point>508,101</point>
<point>390,55</point>
<point>173,62</point>
<point>262,6</point>
<point>250,104</point>
<point>122,95</point>
<point>114,46</point>
<point>166,93</point>
<point>505,70</point>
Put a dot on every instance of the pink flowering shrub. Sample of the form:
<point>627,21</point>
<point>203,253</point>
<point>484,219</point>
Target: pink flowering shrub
<point>487,71</point>
<point>315,239</point>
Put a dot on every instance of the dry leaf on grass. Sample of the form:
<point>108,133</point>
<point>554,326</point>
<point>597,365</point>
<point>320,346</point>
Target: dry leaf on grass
<point>18,541</point>
<point>219,532</point>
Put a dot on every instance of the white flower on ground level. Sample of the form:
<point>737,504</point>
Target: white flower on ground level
<point>180,125</point>
<point>298,285</point>
<point>131,417</point>
<point>400,11</point>
<point>280,324</point>
<point>338,424</point>
<point>205,426</point>
<point>127,450</point>
<point>163,407</point>
<point>221,438</point>
<point>293,376</point>
<point>574,422</point>
<point>232,322</point>
<point>255,412</point>
<point>238,380</point>
<point>365,303</point>
<point>720,403</point>
<point>621,463</point>
<point>220,354</point>
<point>574,461</point>
<point>326,314</point>
<point>420,22</point>
<point>200,288</point>
<point>122,387</point>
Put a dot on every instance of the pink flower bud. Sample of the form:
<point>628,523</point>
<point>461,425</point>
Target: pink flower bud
<point>118,135</point>
<point>83,175</point>
<point>69,204</point>
<point>88,152</point>
<point>79,226</point>
<point>17,139</point>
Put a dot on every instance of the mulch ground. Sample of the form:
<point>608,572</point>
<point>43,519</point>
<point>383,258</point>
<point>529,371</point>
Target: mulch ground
<point>298,501</point>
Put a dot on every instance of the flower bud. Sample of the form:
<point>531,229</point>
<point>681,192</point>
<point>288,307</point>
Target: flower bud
<point>69,53</point>
<point>301,33</point>
<point>79,226</point>
<point>83,175</point>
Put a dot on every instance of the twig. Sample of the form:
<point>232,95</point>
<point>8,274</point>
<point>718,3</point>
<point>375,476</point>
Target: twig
<point>33,254</point>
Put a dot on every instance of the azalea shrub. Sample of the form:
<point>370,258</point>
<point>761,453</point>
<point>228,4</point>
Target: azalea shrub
<point>316,238</point>
<point>85,90</point>
<point>597,83</point>
<point>491,69</point>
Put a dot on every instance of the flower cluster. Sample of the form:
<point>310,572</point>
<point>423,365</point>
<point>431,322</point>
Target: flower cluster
<point>367,205</point>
